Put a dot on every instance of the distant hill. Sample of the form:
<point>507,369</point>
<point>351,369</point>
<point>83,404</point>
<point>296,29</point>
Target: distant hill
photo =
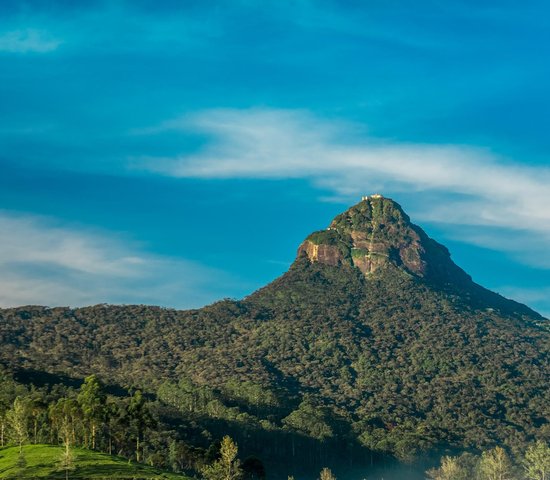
<point>374,343</point>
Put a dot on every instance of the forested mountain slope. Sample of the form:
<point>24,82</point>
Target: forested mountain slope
<point>374,343</point>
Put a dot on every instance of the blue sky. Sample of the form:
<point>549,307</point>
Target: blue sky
<point>175,153</point>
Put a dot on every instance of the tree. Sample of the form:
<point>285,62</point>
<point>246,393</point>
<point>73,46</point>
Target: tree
<point>3,422</point>
<point>326,474</point>
<point>64,416</point>
<point>311,420</point>
<point>92,402</point>
<point>66,461</point>
<point>450,469</point>
<point>140,418</point>
<point>115,422</point>
<point>227,467</point>
<point>18,419</point>
<point>37,409</point>
<point>495,465</point>
<point>537,461</point>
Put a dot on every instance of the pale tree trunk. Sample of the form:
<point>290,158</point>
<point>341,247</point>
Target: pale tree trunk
<point>35,430</point>
<point>67,459</point>
<point>67,455</point>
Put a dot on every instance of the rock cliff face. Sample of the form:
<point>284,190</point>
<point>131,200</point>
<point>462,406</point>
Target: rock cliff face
<point>327,254</point>
<point>376,234</point>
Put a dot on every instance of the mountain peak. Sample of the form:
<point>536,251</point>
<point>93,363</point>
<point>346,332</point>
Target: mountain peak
<point>371,210</point>
<point>376,234</point>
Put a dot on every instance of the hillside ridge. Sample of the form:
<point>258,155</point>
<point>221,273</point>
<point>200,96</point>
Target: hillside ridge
<point>369,346</point>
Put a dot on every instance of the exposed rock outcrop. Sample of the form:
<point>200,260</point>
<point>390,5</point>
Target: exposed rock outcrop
<point>376,234</point>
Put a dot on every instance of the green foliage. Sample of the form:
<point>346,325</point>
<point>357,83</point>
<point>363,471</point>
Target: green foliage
<point>67,461</point>
<point>359,252</point>
<point>537,461</point>
<point>495,465</point>
<point>324,237</point>
<point>140,418</point>
<point>65,417</point>
<point>17,419</point>
<point>333,238</point>
<point>92,402</point>
<point>310,420</point>
<point>251,393</point>
<point>450,469</point>
<point>227,467</point>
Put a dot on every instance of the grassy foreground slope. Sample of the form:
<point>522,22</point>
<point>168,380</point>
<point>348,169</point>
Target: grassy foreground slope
<point>42,461</point>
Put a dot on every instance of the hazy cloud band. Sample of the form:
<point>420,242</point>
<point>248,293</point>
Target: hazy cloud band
<point>477,188</point>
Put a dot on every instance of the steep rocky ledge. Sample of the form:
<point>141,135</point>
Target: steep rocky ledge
<point>376,233</point>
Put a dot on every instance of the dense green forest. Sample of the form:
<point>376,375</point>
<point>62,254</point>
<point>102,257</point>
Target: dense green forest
<point>374,350</point>
<point>89,420</point>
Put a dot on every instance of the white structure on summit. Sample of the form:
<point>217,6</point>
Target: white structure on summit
<point>366,197</point>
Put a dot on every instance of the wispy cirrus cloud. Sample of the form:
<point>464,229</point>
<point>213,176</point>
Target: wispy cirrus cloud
<point>28,40</point>
<point>529,296</point>
<point>472,186</point>
<point>43,262</point>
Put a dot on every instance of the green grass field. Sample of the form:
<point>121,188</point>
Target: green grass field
<point>42,461</point>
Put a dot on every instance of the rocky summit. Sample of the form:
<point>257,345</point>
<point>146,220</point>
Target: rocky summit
<point>376,234</point>
<point>377,238</point>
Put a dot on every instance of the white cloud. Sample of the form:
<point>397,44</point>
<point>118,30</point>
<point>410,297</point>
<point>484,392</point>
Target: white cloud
<point>471,186</point>
<point>529,296</point>
<point>44,263</point>
<point>525,246</point>
<point>28,40</point>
